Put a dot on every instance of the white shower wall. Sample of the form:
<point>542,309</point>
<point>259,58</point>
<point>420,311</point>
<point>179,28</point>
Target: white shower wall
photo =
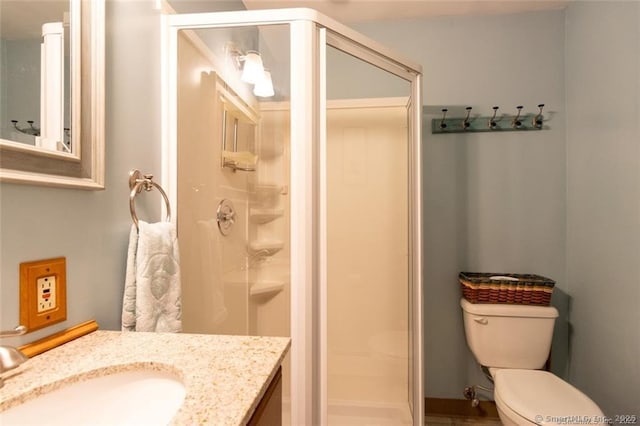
<point>367,253</point>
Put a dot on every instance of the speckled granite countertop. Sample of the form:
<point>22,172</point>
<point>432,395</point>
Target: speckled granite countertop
<point>224,376</point>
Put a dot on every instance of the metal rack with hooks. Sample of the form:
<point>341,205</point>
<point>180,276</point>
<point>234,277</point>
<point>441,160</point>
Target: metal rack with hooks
<point>495,123</point>
<point>27,130</point>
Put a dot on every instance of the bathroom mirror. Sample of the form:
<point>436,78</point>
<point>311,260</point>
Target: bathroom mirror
<point>52,93</point>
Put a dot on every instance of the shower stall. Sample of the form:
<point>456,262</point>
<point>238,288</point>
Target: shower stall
<point>291,151</point>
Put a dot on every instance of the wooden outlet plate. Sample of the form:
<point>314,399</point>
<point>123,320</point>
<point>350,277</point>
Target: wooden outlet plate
<point>30,272</point>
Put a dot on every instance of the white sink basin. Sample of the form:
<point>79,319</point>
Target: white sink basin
<point>138,397</point>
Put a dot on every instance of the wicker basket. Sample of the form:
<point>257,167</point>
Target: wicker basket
<point>521,289</point>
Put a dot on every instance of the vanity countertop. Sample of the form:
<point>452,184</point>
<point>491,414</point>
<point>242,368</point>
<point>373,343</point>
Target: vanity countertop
<point>224,376</point>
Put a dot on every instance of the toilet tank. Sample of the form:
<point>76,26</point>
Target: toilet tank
<point>509,336</point>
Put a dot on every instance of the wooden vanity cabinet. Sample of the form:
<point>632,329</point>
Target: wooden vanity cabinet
<point>269,409</point>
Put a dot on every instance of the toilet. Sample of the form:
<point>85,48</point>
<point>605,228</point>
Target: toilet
<point>513,342</point>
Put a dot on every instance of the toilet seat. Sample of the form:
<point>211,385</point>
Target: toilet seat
<point>509,417</point>
<point>536,395</point>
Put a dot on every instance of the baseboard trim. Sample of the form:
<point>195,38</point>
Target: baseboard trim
<point>459,408</point>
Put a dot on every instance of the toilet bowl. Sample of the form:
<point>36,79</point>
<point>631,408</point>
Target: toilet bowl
<point>534,397</point>
<point>513,342</point>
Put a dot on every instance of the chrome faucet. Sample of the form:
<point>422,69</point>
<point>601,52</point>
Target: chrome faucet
<point>11,357</point>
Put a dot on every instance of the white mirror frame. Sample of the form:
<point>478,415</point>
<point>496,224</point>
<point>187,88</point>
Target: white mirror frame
<point>20,163</point>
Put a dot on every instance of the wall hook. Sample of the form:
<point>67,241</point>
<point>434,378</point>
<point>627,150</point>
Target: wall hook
<point>492,121</point>
<point>537,120</point>
<point>465,122</point>
<point>31,130</point>
<point>517,123</point>
<point>443,125</point>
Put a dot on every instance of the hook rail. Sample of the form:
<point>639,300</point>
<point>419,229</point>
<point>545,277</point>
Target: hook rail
<point>138,182</point>
<point>495,123</point>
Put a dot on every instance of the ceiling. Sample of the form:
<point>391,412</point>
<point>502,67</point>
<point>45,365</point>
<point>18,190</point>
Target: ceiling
<point>21,19</point>
<point>16,15</point>
<point>348,11</point>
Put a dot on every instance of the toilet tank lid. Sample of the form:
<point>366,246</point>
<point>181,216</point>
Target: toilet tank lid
<point>508,310</point>
<point>534,393</point>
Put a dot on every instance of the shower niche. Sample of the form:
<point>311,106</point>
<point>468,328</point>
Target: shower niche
<point>238,134</point>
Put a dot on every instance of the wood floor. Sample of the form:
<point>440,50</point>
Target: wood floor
<point>460,421</point>
<point>460,412</point>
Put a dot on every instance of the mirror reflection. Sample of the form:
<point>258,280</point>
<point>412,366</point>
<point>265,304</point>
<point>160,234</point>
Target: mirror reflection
<point>35,73</point>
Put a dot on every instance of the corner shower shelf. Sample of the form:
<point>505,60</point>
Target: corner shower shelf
<point>266,287</point>
<point>264,215</point>
<point>265,247</point>
<point>267,194</point>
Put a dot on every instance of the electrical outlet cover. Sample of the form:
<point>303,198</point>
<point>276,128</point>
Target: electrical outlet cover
<point>46,293</point>
<point>43,300</point>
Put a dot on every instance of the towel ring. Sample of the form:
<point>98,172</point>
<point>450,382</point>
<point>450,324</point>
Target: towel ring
<point>137,183</point>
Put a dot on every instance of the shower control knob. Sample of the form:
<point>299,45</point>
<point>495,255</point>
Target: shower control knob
<point>225,216</point>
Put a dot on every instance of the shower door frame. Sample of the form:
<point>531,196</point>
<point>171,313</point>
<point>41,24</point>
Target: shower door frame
<point>310,34</point>
<point>369,51</point>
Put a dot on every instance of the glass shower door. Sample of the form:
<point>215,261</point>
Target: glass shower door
<point>232,179</point>
<point>367,243</point>
<point>325,242</point>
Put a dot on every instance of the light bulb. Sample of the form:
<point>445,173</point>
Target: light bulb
<point>264,86</point>
<point>253,68</point>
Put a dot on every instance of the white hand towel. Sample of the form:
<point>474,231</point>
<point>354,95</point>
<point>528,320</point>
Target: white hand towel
<point>152,293</point>
<point>129,298</point>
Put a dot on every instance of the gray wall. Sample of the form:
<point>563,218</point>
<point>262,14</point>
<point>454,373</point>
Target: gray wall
<point>492,202</point>
<point>19,87</point>
<point>91,228</point>
<point>603,204</point>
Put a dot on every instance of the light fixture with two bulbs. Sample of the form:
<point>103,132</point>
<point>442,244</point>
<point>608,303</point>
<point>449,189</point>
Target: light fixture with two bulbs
<point>253,72</point>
